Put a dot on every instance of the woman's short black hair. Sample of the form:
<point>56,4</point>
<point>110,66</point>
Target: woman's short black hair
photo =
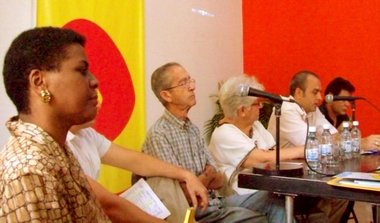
<point>41,48</point>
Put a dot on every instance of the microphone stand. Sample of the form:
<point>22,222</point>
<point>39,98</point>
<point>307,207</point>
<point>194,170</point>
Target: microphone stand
<point>277,113</point>
<point>280,169</point>
<point>353,109</point>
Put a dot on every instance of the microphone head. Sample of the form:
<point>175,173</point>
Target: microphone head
<point>243,90</point>
<point>329,98</point>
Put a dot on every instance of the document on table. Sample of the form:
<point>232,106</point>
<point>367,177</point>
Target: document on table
<point>358,180</point>
<point>368,152</point>
<point>142,195</point>
<point>359,176</point>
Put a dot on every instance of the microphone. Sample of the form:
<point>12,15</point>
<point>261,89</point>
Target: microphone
<point>329,98</point>
<point>246,90</point>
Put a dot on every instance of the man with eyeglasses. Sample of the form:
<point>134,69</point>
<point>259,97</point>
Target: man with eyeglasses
<point>240,141</point>
<point>175,139</point>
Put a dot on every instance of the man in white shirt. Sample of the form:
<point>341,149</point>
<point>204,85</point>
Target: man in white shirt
<point>305,89</point>
<point>91,149</point>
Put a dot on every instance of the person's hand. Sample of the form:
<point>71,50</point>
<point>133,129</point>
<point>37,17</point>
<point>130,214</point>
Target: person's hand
<point>210,172</point>
<point>195,191</point>
<point>207,176</point>
<point>215,180</point>
<point>371,142</point>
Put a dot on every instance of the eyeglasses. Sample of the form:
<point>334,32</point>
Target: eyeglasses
<point>185,84</point>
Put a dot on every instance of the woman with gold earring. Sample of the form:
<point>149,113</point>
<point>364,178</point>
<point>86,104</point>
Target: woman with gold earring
<point>47,78</point>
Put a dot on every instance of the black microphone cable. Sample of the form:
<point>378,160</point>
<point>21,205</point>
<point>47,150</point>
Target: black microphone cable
<point>372,104</point>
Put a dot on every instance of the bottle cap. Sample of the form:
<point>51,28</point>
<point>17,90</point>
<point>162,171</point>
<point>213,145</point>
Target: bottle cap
<point>345,124</point>
<point>312,129</point>
<point>355,123</point>
<point>326,126</point>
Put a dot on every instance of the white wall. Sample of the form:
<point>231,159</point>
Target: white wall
<point>204,36</point>
<point>15,17</point>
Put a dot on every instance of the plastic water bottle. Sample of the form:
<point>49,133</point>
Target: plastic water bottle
<point>346,141</point>
<point>356,138</point>
<point>312,149</point>
<point>326,145</point>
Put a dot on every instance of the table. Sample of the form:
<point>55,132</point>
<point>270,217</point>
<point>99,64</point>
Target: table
<point>315,185</point>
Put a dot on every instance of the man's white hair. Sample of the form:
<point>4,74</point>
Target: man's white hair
<point>229,94</point>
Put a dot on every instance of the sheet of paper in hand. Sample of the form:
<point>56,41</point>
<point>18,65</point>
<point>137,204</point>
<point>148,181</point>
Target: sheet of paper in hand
<point>142,195</point>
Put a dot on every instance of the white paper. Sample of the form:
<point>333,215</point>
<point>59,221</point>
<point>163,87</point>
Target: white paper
<point>359,176</point>
<point>361,183</point>
<point>143,196</point>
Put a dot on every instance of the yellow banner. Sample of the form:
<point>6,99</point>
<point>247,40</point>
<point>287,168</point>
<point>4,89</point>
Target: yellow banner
<point>114,33</point>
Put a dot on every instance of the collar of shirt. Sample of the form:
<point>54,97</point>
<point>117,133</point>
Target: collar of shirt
<point>299,109</point>
<point>18,128</point>
<point>176,121</point>
<point>339,118</point>
<point>70,136</point>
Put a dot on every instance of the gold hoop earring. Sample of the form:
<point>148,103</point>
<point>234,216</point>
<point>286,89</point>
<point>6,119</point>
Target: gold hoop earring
<point>45,95</point>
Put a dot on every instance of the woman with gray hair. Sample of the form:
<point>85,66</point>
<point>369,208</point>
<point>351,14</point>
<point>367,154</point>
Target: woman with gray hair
<point>240,139</point>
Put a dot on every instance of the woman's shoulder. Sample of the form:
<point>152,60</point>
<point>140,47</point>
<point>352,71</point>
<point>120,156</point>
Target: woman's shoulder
<point>32,159</point>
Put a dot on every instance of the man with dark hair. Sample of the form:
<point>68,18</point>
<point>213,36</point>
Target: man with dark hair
<point>336,111</point>
<point>305,89</point>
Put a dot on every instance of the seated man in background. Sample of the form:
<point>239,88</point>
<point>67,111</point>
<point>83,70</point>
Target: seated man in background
<point>241,139</point>
<point>91,149</point>
<point>175,139</point>
<point>336,111</point>
<point>305,89</point>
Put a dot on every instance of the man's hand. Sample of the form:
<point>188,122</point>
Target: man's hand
<point>195,191</point>
<point>211,178</point>
<point>371,142</point>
